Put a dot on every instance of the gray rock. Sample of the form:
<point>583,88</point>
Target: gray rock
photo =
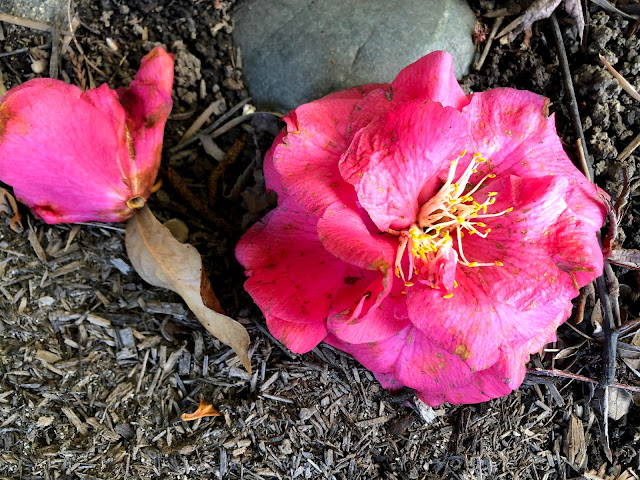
<point>295,51</point>
<point>39,10</point>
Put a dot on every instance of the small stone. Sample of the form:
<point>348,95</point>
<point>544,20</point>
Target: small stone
<point>295,51</point>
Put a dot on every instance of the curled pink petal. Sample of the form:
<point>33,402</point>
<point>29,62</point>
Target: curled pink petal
<point>307,158</point>
<point>79,157</point>
<point>430,78</point>
<point>391,160</point>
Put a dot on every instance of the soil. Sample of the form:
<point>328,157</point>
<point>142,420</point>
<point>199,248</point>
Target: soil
<point>98,366</point>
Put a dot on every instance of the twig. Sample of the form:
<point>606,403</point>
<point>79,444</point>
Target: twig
<point>581,378</point>
<point>610,335</point>
<point>584,166</point>
<point>25,22</point>
<point>582,303</point>
<point>54,61</point>
<point>487,46</point>
<point>614,292</point>
<point>213,126</point>
<point>24,50</point>
<point>607,6</point>
<point>199,122</point>
<point>568,85</point>
<point>626,86</point>
<point>626,153</point>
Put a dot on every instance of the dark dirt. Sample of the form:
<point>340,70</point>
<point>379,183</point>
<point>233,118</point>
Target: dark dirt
<point>98,366</point>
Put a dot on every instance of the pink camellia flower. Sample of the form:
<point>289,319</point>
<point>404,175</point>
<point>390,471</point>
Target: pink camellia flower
<point>437,237</point>
<point>75,156</point>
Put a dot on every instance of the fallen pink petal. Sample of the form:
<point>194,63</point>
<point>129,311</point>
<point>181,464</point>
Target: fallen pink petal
<point>75,156</point>
<point>437,237</point>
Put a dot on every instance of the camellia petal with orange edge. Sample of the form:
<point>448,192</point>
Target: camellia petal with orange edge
<point>75,156</point>
<point>435,236</point>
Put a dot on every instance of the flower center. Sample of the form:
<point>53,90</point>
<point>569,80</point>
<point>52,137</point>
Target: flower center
<point>451,212</point>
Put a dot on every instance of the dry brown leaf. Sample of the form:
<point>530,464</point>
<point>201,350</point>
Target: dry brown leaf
<point>619,403</point>
<point>8,206</point>
<point>204,410</point>
<point>164,262</point>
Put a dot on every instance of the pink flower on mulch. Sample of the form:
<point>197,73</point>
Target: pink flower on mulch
<point>75,156</point>
<point>437,237</point>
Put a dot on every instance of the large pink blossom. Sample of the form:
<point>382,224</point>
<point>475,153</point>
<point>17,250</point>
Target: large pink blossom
<point>74,156</point>
<point>437,237</point>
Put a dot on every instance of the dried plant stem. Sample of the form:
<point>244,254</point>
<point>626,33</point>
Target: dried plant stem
<point>213,126</point>
<point>25,22</point>
<point>568,86</point>
<point>487,47</point>
<point>194,202</point>
<point>626,153</point>
<point>581,378</point>
<point>626,86</point>
<point>199,122</point>
<point>217,172</point>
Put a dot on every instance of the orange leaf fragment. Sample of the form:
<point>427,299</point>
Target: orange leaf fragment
<point>204,410</point>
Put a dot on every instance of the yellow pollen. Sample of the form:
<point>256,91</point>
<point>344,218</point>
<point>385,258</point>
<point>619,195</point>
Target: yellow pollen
<point>408,284</point>
<point>455,284</point>
<point>498,263</point>
<point>448,295</point>
<point>443,221</point>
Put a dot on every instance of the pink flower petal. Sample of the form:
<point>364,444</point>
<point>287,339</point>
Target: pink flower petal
<point>307,158</point>
<point>430,78</point>
<point>298,337</point>
<point>291,277</point>
<point>271,176</point>
<point>147,103</point>
<point>409,358</point>
<point>390,161</point>
<point>514,301</point>
<point>512,129</point>
<point>363,309</point>
<point>67,171</point>
<point>82,155</point>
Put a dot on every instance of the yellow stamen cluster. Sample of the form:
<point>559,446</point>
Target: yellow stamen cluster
<point>451,211</point>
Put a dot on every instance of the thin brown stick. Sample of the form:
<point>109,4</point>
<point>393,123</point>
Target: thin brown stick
<point>584,166</point>
<point>199,122</point>
<point>626,153</point>
<point>213,126</point>
<point>581,378</point>
<point>25,22</point>
<point>571,94</point>
<point>487,46</point>
<point>626,86</point>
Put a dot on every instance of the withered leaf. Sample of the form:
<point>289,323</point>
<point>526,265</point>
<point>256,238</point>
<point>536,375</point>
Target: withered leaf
<point>164,262</point>
<point>204,410</point>
<point>625,257</point>
<point>8,206</point>
<point>619,403</point>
